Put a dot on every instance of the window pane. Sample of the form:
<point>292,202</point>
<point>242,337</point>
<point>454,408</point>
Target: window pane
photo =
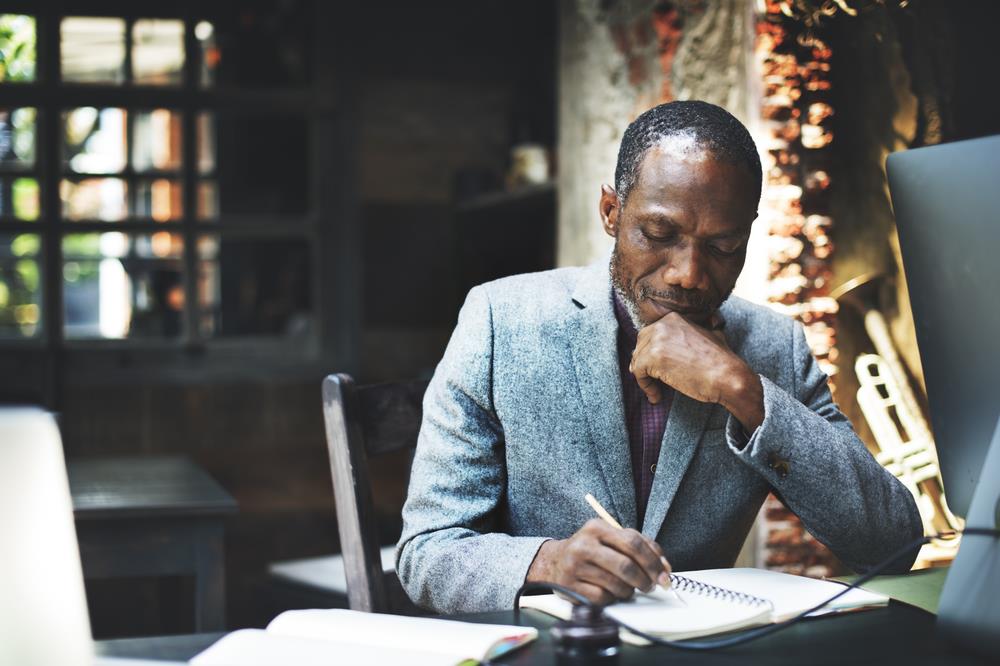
<point>17,137</point>
<point>262,164</point>
<point>260,45</point>
<point>157,51</point>
<point>17,48</point>
<point>92,50</point>
<point>19,198</point>
<point>119,285</point>
<point>208,64</point>
<point>159,199</point>
<point>94,140</point>
<point>208,200</point>
<point>156,140</point>
<point>103,199</point>
<point>20,286</point>
<point>206,142</point>
<point>254,287</point>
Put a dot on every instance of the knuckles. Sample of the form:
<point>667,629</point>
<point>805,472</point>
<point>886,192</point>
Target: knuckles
<point>628,570</point>
<point>635,541</point>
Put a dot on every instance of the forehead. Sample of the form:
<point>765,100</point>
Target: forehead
<point>681,177</point>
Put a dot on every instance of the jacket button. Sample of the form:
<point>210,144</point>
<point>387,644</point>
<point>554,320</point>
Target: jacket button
<point>779,465</point>
<point>652,468</point>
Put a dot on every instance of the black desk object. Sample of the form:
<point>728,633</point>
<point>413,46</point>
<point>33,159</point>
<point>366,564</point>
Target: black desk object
<point>153,516</point>
<point>896,634</point>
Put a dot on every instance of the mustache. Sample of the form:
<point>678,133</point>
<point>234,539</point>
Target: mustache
<point>685,298</point>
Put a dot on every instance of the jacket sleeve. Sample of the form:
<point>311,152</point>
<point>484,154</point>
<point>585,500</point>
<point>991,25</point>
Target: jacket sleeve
<point>452,556</point>
<point>809,453</point>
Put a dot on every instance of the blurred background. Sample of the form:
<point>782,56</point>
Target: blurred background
<point>205,207</point>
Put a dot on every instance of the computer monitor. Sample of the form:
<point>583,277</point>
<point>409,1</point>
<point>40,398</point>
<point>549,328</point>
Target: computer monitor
<point>947,204</point>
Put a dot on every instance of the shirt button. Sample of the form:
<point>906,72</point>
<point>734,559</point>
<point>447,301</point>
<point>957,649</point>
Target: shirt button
<point>652,468</point>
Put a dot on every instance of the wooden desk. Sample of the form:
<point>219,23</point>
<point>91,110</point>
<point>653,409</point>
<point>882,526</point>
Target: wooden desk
<point>897,634</point>
<point>153,516</point>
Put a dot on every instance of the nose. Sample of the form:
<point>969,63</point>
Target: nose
<point>686,267</point>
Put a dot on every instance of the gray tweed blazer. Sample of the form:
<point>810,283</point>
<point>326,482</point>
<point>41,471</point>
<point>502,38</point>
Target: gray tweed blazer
<point>524,416</point>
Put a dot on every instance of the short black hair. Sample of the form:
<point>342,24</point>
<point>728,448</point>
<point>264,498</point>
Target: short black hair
<point>710,126</point>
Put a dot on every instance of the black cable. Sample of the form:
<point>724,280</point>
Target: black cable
<point>754,634</point>
<point>547,587</point>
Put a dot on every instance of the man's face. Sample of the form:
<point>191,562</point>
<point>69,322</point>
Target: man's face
<point>680,239</point>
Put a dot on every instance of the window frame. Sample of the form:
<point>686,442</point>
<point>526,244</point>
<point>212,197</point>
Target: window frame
<point>328,225</point>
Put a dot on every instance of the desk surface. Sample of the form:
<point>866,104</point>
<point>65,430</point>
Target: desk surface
<point>128,487</point>
<point>897,634</point>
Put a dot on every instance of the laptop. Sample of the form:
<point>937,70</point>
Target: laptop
<point>43,605</point>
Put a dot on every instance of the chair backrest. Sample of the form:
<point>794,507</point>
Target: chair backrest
<point>363,422</point>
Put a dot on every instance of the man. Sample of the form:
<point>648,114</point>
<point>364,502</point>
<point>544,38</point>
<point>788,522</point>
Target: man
<point>643,382</point>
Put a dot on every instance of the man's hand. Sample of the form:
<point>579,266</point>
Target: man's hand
<point>697,362</point>
<point>601,562</point>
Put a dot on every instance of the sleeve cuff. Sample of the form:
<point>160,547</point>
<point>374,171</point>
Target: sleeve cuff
<point>762,449</point>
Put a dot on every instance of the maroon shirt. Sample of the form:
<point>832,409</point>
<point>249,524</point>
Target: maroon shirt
<point>645,421</point>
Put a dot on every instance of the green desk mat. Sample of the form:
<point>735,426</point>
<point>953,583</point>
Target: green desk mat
<point>921,588</point>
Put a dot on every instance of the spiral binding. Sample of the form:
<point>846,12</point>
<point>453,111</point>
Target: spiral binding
<point>704,589</point>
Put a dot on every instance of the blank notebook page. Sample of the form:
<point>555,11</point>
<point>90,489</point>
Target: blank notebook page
<point>790,595</point>
<point>658,613</point>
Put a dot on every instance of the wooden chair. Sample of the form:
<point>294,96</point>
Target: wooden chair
<point>361,423</point>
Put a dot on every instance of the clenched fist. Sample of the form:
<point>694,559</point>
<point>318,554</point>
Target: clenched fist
<point>696,361</point>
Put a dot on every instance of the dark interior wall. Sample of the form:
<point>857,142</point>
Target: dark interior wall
<point>436,89</point>
<point>445,89</point>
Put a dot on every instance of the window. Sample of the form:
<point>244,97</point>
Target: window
<point>158,177</point>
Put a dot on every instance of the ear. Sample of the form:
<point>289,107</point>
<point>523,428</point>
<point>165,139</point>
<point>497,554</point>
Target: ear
<point>610,209</point>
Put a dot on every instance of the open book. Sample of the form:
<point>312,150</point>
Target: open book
<point>714,601</point>
<point>324,637</point>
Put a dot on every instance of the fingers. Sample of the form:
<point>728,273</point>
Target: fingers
<point>632,558</point>
<point>608,564</point>
<point>595,594</point>
<point>649,385</point>
<point>664,578</point>
<point>613,585</point>
<point>638,367</point>
<point>655,547</point>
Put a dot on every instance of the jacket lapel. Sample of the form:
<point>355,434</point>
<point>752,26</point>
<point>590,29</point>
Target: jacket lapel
<point>593,339</point>
<point>685,427</point>
<point>681,438</point>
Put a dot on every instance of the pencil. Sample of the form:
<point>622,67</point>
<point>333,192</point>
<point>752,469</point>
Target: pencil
<point>610,520</point>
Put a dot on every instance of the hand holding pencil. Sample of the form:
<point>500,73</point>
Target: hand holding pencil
<point>602,561</point>
<point>609,519</point>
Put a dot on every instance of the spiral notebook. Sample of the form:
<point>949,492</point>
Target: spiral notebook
<point>715,601</point>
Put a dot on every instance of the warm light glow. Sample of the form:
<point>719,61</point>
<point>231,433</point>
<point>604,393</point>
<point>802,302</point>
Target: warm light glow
<point>161,243</point>
<point>161,200</point>
<point>175,298</point>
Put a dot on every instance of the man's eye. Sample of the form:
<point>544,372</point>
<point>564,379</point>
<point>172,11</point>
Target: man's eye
<point>726,249</point>
<point>659,239</point>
